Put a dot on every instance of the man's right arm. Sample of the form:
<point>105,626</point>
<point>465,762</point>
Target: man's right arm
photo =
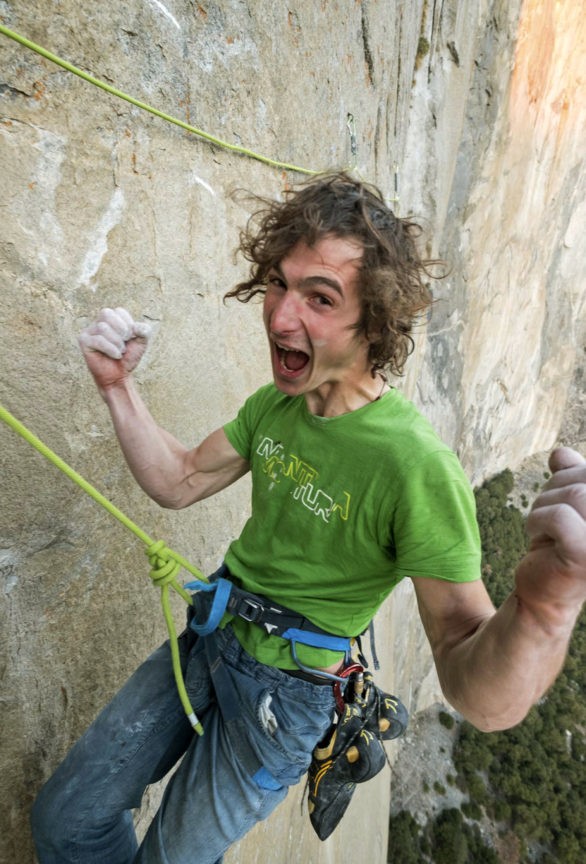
<point>170,473</point>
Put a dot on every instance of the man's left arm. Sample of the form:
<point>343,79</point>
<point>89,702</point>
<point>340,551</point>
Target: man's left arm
<point>494,665</point>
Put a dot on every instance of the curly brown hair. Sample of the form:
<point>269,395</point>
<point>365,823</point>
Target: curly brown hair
<point>392,274</point>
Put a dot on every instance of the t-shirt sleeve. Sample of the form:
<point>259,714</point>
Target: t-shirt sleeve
<point>237,435</point>
<point>240,431</point>
<point>435,532</point>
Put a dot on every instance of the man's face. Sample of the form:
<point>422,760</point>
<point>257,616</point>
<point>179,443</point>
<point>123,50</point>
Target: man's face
<point>310,307</point>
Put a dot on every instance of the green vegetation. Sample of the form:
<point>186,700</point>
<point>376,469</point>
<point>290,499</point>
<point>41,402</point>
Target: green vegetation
<point>502,532</point>
<point>529,782</point>
<point>448,839</point>
<point>446,719</point>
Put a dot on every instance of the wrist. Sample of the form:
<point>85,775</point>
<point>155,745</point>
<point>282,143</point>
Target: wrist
<point>112,391</point>
<point>555,618</point>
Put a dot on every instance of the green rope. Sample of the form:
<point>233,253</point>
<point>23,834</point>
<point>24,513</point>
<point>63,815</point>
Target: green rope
<point>165,563</point>
<point>243,151</point>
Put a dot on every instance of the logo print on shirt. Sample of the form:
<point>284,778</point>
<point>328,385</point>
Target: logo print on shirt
<point>279,465</point>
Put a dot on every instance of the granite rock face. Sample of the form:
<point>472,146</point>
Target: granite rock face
<point>470,114</point>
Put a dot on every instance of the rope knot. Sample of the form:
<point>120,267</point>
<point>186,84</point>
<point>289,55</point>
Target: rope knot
<point>164,568</point>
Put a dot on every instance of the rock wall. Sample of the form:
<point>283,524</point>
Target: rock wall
<point>469,113</point>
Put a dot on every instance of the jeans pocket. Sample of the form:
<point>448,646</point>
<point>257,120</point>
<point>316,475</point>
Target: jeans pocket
<point>288,727</point>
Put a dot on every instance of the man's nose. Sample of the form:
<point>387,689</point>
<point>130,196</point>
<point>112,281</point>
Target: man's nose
<point>285,313</point>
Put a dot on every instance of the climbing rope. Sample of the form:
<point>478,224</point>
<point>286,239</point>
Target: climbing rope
<point>243,151</point>
<point>165,563</point>
<point>235,148</point>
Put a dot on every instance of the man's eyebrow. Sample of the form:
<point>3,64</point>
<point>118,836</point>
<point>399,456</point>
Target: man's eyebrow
<point>312,280</point>
<point>324,280</point>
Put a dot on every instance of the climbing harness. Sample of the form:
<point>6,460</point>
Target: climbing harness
<point>221,596</point>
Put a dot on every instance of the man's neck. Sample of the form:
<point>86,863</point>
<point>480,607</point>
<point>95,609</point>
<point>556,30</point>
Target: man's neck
<point>334,399</point>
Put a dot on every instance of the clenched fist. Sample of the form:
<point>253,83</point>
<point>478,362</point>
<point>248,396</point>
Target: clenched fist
<point>113,347</point>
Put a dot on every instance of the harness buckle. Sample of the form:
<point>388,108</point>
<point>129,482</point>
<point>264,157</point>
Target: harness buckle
<point>250,610</point>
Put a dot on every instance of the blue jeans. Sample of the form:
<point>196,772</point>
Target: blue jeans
<point>82,815</point>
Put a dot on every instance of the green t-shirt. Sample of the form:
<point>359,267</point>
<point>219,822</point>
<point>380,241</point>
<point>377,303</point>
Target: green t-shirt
<point>343,508</point>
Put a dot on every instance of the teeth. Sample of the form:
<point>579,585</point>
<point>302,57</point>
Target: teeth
<point>288,350</point>
<point>283,353</point>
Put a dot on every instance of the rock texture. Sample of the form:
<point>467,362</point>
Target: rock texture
<point>470,113</point>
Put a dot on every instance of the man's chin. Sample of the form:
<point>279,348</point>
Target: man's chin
<point>289,386</point>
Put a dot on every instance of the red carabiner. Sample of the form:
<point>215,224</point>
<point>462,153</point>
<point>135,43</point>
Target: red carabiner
<point>345,673</point>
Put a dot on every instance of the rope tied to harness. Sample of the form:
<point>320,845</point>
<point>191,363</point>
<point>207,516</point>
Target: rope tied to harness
<point>165,568</point>
<point>164,571</point>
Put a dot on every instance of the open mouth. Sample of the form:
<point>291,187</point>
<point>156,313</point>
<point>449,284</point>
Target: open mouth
<point>291,360</point>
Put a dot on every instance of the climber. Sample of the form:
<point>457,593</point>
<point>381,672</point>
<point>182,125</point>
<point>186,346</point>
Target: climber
<point>352,492</point>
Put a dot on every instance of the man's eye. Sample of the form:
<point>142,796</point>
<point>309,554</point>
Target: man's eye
<point>275,281</point>
<point>322,300</point>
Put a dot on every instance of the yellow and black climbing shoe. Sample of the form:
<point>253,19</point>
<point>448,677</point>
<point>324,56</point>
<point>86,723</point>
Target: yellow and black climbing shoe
<point>352,751</point>
<point>385,715</point>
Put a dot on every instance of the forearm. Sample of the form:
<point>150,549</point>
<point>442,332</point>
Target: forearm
<point>155,458</point>
<point>497,673</point>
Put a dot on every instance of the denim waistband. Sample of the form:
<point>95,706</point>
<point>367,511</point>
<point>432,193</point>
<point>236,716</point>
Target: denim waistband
<point>271,676</point>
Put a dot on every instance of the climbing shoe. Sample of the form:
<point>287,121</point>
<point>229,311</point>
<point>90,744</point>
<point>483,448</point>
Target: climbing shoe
<point>352,750</point>
<point>385,715</point>
<point>349,754</point>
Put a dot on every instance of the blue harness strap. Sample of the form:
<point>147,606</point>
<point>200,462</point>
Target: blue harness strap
<point>221,590</point>
<point>318,640</point>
